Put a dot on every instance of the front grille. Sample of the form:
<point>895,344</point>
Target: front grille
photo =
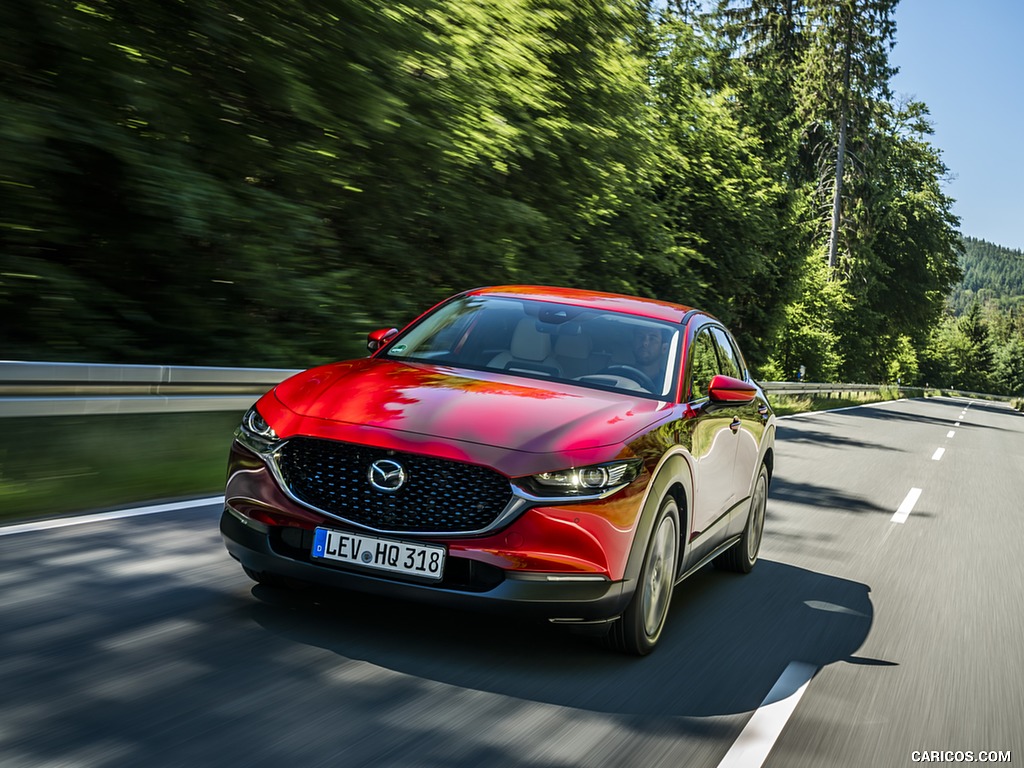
<point>438,496</point>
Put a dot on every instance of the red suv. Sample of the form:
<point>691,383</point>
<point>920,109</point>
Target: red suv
<point>567,453</point>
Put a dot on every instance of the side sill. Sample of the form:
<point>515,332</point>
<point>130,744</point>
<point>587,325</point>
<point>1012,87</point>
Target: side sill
<point>710,556</point>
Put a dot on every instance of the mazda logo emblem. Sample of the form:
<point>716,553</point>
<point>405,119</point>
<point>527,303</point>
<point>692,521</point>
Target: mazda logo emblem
<point>387,475</point>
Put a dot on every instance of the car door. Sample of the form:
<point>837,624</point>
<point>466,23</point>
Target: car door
<point>748,423</point>
<point>712,444</point>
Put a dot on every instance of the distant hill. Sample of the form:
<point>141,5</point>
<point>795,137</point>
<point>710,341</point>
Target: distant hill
<point>992,274</point>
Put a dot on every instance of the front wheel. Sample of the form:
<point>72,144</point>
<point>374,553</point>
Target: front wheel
<point>741,557</point>
<point>638,629</point>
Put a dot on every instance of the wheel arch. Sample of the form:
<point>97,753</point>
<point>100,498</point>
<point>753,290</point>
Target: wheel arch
<point>672,477</point>
<point>766,457</point>
<point>769,461</point>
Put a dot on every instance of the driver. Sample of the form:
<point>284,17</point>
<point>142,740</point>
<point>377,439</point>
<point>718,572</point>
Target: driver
<point>650,348</point>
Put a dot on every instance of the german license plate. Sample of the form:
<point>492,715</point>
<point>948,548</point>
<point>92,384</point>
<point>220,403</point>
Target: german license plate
<point>425,561</point>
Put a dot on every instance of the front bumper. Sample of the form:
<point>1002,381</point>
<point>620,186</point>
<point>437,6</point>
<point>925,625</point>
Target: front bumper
<point>468,584</point>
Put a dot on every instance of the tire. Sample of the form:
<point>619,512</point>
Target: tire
<point>742,556</point>
<point>639,628</point>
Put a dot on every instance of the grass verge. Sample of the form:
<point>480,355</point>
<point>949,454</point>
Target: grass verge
<point>63,465</point>
<point>786,405</point>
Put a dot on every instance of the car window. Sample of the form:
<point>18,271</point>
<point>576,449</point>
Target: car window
<point>583,346</point>
<point>727,355</point>
<point>703,364</point>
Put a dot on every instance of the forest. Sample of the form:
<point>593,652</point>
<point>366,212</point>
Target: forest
<point>261,183</point>
<point>978,344</point>
<point>993,276</point>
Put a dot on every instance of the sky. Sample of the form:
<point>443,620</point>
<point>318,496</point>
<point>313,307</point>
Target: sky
<point>965,60</point>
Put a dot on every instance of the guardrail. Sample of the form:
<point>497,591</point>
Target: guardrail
<point>809,388</point>
<point>77,389</point>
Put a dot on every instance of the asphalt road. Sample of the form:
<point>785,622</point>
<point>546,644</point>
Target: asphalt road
<point>139,642</point>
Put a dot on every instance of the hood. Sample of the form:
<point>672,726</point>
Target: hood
<point>487,408</point>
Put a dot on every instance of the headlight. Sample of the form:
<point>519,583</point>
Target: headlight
<point>591,482</point>
<point>255,432</point>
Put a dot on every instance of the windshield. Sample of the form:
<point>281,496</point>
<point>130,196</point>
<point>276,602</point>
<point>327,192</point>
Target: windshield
<point>588,347</point>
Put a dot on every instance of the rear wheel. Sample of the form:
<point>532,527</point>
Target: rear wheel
<point>639,628</point>
<point>741,557</point>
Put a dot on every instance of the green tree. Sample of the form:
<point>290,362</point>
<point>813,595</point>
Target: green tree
<point>907,243</point>
<point>977,356</point>
<point>854,160</point>
<point>844,78</point>
<point>1008,373</point>
<point>725,212</point>
<point>960,354</point>
<point>162,178</point>
<point>810,337</point>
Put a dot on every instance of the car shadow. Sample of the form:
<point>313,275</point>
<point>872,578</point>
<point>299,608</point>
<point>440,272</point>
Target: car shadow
<point>997,407</point>
<point>886,414</point>
<point>879,414</point>
<point>727,641</point>
<point>822,497</point>
<point>826,438</point>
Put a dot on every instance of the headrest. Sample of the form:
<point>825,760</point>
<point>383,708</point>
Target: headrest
<point>528,343</point>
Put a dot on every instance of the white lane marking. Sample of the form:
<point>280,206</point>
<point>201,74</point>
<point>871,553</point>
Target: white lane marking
<point>951,433</point>
<point>155,509</point>
<point>957,424</point>
<point>759,735</point>
<point>907,506</point>
<point>938,454</point>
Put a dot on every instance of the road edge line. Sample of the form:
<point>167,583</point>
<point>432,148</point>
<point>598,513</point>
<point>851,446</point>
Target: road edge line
<point>763,729</point>
<point>117,514</point>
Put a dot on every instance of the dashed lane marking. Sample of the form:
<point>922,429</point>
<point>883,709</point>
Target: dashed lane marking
<point>907,506</point>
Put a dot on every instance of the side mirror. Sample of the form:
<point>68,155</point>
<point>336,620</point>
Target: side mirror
<point>731,391</point>
<point>377,339</point>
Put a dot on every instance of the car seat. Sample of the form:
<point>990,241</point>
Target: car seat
<point>529,352</point>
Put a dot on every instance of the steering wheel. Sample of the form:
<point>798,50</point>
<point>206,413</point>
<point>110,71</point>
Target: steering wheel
<point>635,374</point>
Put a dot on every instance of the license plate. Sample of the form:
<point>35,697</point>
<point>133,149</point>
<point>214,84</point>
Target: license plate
<point>425,561</point>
